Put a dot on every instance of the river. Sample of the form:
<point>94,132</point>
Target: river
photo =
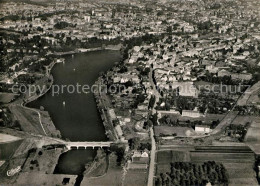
<point>76,114</point>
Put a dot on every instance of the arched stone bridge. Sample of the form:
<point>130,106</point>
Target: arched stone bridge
<point>93,144</point>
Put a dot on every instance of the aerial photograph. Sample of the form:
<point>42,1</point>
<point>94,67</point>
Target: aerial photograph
<point>129,92</point>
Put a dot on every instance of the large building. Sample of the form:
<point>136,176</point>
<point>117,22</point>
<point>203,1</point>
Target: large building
<point>191,113</point>
<point>202,129</point>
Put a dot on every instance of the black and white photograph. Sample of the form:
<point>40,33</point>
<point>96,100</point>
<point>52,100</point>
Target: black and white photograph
<point>129,92</point>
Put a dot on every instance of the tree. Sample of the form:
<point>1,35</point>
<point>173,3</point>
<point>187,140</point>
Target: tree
<point>183,173</point>
<point>152,101</point>
<point>128,84</point>
<point>167,106</point>
<point>169,29</point>
<point>154,119</point>
<point>134,143</point>
<point>158,181</point>
<point>205,25</point>
<point>40,29</point>
<point>120,152</point>
<point>144,146</point>
<point>149,123</point>
<point>61,25</point>
<point>17,125</point>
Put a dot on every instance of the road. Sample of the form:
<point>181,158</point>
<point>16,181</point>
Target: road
<point>227,120</point>
<point>152,152</point>
<point>39,116</point>
<point>152,159</point>
<point>250,91</point>
<point>231,115</point>
<point>155,91</point>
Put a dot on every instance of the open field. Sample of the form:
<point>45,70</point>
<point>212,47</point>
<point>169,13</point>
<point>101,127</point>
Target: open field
<point>8,149</point>
<point>26,178</point>
<point>242,181</point>
<point>98,167</point>
<point>174,147</point>
<point>254,99</point>
<point>28,119</point>
<point>48,125</point>
<point>244,119</point>
<point>4,138</point>
<point>222,157</point>
<point>254,96</point>
<point>252,137</point>
<point>7,97</point>
<point>255,147</point>
<point>165,158</point>
<point>241,173</point>
<point>223,154</point>
<point>113,175</point>
<point>172,156</point>
<point>238,160</point>
<point>13,132</point>
<point>207,119</point>
<point>167,130</point>
<point>249,96</point>
<point>229,117</point>
<point>136,177</point>
<point>11,164</point>
<point>99,170</point>
<point>46,161</point>
<point>253,133</point>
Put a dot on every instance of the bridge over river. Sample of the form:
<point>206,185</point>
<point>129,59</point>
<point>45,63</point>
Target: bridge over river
<point>82,144</point>
<point>74,144</point>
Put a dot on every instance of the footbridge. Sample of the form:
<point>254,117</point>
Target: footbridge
<point>84,145</point>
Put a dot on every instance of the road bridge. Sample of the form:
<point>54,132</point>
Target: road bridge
<point>82,144</point>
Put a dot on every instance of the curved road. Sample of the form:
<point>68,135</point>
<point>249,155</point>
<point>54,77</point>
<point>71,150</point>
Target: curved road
<point>39,115</point>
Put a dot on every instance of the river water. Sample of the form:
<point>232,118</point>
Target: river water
<point>76,114</point>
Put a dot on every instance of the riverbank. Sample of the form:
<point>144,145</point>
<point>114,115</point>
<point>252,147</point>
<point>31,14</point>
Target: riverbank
<point>77,125</point>
<point>46,179</point>
<point>98,167</point>
<point>25,115</point>
<point>45,87</point>
<point>81,69</point>
<point>83,50</point>
<point>102,108</point>
<point>38,122</point>
<point>31,120</point>
<point>50,83</point>
<point>40,164</point>
<point>113,174</point>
